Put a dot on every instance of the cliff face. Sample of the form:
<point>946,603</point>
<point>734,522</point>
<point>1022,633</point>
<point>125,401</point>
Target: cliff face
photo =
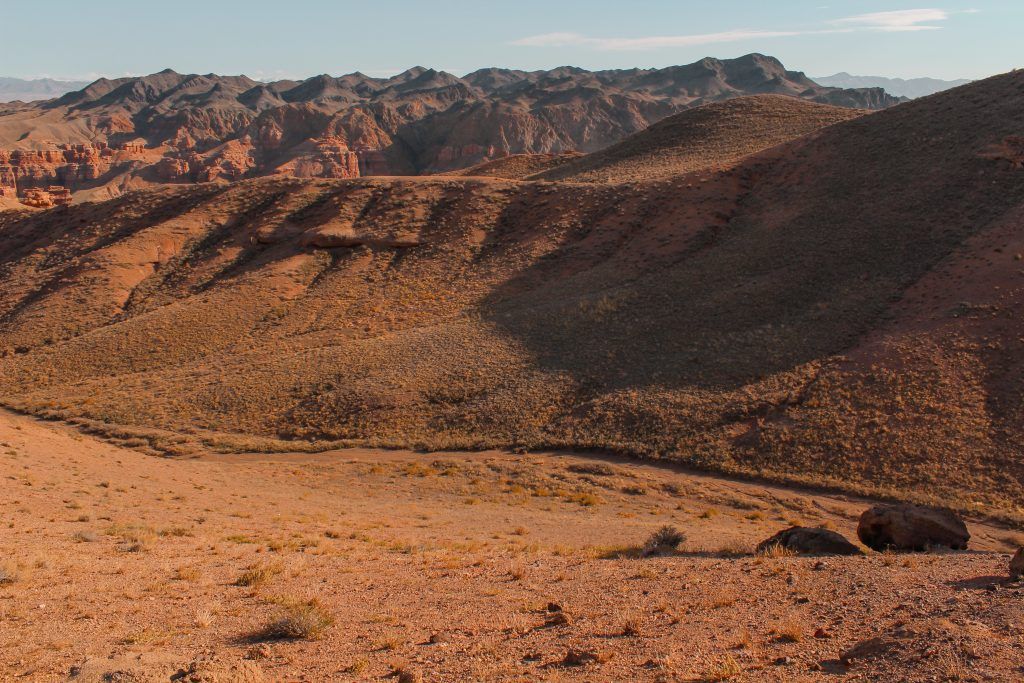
<point>198,128</point>
<point>34,175</point>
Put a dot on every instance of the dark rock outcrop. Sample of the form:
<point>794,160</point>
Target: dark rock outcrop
<point>810,541</point>
<point>1017,564</point>
<point>912,527</point>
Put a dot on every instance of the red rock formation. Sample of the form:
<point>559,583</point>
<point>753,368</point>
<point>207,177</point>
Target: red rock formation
<point>8,179</point>
<point>372,162</point>
<point>170,169</point>
<point>59,196</point>
<point>66,166</point>
<point>37,198</point>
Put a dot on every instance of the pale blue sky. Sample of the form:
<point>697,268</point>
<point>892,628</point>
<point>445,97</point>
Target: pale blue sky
<point>299,38</point>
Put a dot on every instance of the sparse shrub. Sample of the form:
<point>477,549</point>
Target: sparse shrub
<point>178,532</point>
<point>776,550</point>
<point>186,573</point>
<point>632,626</point>
<point>84,537</point>
<point>723,670</point>
<point>300,621</point>
<point>258,574</point>
<point>585,499</point>
<point>789,630</point>
<point>389,644</point>
<point>596,468</point>
<point>403,674</point>
<point>9,574</point>
<point>357,667</point>
<point>664,541</point>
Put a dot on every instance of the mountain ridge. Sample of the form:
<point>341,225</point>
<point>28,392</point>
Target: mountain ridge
<point>185,128</point>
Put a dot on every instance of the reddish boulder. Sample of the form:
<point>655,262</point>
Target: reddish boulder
<point>911,527</point>
<point>810,541</point>
<point>1017,565</point>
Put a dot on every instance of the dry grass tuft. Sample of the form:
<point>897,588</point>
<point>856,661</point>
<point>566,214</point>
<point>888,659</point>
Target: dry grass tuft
<point>723,670</point>
<point>776,550</point>
<point>9,573</point>
<point>305,620</point>
<point>258,574</point>
<point>789,630</point>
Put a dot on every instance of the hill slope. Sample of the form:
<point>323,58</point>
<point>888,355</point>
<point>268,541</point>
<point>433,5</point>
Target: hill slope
<point>711,136</point>
<point>518,166</point>
<point>840,309</point>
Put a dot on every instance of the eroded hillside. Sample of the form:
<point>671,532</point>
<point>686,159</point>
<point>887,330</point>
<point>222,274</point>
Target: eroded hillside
<point>837,309</point>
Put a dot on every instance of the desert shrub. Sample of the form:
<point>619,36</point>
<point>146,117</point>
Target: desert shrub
<point>664,541</point>
<point>300,621</point>
<point>8,574</point>
<point>257,575</point>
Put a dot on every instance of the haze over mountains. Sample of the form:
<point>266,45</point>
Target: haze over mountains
<point>910,88</point>
<point>12,89</point>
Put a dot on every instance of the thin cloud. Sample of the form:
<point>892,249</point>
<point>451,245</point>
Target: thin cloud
<point>899,20</point>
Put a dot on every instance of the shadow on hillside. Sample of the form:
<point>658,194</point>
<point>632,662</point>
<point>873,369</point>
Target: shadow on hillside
<point>827,238</point>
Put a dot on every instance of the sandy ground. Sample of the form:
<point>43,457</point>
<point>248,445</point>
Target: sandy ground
<point>123,566</point>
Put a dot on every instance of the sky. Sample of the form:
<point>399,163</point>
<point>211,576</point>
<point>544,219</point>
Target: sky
<point>83,40</point>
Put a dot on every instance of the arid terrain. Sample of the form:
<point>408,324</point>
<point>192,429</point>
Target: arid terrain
<point>271,410</point>
<point>455,566</point>
<point>779,316</point>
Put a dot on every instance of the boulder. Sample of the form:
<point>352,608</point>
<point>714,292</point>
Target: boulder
<point>810,541</point>
<point>911,527</point>
<point>1017,565</point>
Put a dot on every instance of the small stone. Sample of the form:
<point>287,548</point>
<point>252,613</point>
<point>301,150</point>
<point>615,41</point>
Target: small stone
<point>783,661</point>
<point>822,633</point>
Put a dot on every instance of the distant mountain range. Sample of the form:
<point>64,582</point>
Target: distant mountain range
<point>12,89</point>
<point>910,88</point>
<point>189,127</point>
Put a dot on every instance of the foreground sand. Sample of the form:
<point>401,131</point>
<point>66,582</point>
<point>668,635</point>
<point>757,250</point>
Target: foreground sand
<point>126,562</point>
